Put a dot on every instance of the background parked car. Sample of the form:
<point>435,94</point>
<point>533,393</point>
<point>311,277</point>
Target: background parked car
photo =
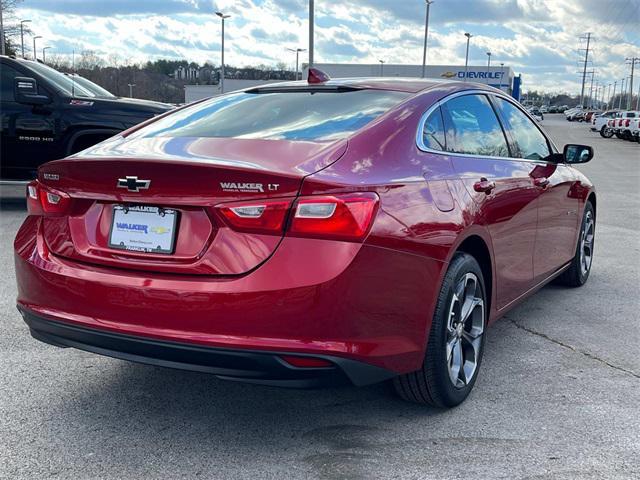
<point>599,122</point>
<point>620,125</point>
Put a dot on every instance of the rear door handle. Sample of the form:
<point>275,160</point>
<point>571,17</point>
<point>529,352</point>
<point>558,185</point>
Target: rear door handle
<point>541,182</point>
<point>484,185</point>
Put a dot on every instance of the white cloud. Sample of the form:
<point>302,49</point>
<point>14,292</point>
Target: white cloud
<point>538,38</point>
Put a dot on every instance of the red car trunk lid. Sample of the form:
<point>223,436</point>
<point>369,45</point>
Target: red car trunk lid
<point>189,176</point>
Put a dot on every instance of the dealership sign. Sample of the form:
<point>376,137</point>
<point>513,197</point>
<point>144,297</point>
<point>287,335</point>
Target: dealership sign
<point>478,75</point>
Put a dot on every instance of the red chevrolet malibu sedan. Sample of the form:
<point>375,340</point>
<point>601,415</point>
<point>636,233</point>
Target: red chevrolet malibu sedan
<point>308,233</point>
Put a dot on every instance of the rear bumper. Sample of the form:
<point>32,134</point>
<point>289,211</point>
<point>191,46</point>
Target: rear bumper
<point>310,298</point>
<point>261,367</point>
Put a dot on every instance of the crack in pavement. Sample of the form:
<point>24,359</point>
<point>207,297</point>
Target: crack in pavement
<point>572,348</point>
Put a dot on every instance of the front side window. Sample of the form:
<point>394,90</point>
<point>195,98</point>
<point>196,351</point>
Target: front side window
<point>531,143</point>
<point>471,127</point>
<point>433,131</point>
<point>305,115</point>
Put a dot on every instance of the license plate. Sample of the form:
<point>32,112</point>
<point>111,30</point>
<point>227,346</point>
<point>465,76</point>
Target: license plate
<point>143,229</point>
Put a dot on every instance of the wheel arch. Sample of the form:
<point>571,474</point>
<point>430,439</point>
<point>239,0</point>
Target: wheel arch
<point>477,242</point>
<point>591,198</point>
<point>78,133</point>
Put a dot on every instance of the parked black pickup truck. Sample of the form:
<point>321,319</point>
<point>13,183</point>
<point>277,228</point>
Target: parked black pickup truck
<point>46,115</point>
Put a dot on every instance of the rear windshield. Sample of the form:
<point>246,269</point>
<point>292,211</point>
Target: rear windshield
<point>305,115</point>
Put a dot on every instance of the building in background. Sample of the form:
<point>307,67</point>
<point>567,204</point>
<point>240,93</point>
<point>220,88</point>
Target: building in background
<point>498,77</point>
<point>198,92</point>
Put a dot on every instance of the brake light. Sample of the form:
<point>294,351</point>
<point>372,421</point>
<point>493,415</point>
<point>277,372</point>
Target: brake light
<point>626,124</point>
<point>262,216</point>
<point>339,217</point>
<point>43,200</point>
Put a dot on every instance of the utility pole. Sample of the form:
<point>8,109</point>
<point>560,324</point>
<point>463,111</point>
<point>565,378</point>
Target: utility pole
<point>311,25</point>
<point>632,61</point>
<point>426,35</point>
<point>621,94</point>
<point>584,70</point>
<point>592,73</point>
<point>612,98</point>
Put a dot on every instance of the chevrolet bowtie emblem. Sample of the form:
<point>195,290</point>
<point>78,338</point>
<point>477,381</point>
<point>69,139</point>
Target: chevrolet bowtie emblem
<point>133,184</point>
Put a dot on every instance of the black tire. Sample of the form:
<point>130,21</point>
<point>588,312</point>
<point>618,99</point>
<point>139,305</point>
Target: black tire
<point>606,132</point>
<point>432,384</point>
<point>576,275</point>
<point>619,135</point>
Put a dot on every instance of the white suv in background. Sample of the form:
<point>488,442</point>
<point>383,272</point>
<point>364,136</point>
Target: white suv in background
<point>620,124</point>
<point>599,122</point>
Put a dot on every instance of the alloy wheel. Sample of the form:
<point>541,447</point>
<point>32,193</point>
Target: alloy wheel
<point>586,243</point>
<point>464,330</point>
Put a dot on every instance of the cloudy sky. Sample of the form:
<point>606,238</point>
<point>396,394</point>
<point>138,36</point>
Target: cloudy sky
<point>538,38</point>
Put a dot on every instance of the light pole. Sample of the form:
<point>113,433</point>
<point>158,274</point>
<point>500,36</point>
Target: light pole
<point>381,68</point>
<point>426,36</point>
<point>297,52</point>
<point>466,57</point>
<point>35,55</point>
<point>222,18</point>
<point>311,25</point>
<point>22,22</point>
<point>44,54</point>
<point>488,65</point>
<point>501,74</point>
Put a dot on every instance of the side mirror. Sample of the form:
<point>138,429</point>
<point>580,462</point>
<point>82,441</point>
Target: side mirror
<point>26,92</point>
<point>577,153</point>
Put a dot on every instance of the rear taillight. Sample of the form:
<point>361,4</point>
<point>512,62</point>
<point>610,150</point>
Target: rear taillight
<point>43,200</point>
<point>262,216</point>
<point>337,217</point>
<point>626,124</point>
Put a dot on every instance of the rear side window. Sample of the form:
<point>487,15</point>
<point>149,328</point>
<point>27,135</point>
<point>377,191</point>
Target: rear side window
<point>531,143</point>
<point>433,131</point>
<point>286,115</point>
<point>471,127</point>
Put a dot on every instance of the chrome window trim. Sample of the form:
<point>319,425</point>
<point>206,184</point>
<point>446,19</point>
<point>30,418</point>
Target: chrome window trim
<point>423,119</point>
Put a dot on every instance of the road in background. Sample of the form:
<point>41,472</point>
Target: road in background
<point>558,395</point>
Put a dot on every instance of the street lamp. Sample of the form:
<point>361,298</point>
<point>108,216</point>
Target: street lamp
<point>35,56</point>
<point>22,22</point>
<point>44,56</point>
<point>297,52</point>
<point>501,74</point>
<point>381,68</point>
<point>488,65</point>
<point>426,36</point>
<point>466,58</point>
<point>222,18</point>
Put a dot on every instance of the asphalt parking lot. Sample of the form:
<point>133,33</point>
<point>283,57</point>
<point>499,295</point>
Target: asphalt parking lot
<point>558,395</point>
